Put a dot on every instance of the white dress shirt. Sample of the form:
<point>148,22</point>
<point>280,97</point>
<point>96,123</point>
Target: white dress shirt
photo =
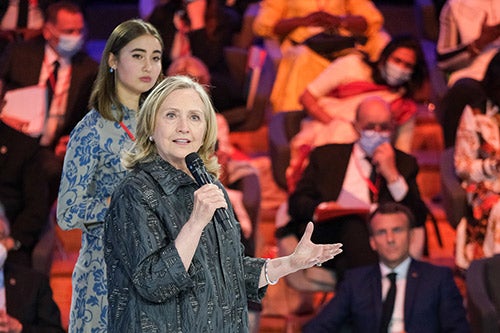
<point>355,187</point>
<point>57,108</point>
<point>397,324</point>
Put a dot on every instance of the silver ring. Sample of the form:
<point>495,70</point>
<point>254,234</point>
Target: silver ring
<point>318,264</point>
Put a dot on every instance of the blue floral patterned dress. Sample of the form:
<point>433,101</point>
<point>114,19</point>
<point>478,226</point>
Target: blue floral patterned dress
<point>91,171</point>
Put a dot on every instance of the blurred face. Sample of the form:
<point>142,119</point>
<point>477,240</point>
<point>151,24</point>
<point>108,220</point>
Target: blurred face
<point>68,24</point>
<point>374,115</point>
<point>180,127</point>
<point>399,66</point>
<point>404,58</point>
<point>391,238</point>
<point>137,68</point>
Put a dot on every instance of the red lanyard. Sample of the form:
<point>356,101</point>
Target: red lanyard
<point>371,186</point>
<point>126,129</point>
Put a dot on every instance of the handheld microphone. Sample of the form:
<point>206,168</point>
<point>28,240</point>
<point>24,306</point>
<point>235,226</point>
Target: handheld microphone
<point>202,177</point>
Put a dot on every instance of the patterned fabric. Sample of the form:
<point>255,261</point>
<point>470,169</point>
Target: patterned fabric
<point>149,288</point>
<point>91,171</point>
<point>478,142</point>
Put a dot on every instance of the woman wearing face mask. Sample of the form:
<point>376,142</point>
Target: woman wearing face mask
<point>399,77</point>
<point>130,67</point>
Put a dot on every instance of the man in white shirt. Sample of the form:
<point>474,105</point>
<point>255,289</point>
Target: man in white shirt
<point>364,174</point>
<point>423,297</point>
<point>30,63</point>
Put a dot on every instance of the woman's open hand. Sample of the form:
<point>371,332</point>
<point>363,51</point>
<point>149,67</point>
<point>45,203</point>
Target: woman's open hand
<point>308,254</point>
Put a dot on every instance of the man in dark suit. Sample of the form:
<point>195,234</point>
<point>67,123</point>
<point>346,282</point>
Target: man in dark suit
<point>368,172</point>
<point>58,50</point>
<point>23,191</point>
<point>28,305</point>
<point>423,298</point>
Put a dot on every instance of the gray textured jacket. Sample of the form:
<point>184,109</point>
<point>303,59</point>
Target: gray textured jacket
<point>149,289</point>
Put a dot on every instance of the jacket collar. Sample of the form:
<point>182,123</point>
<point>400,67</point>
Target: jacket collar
<point>168,177</point>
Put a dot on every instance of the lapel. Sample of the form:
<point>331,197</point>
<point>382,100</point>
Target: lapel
<point>341,155</point>
<point>377,293</point>
<point>412,281</point>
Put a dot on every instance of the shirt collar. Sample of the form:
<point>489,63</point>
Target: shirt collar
<point>51,56</point>
<point>401,270</point>
<point>358,152</point>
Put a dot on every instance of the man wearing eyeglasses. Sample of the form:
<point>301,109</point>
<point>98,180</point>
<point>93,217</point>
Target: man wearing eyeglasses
<point>365,173</point>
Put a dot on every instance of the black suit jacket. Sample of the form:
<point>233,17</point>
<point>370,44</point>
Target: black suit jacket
<point>23,188</point>
<point>323,178</point>
<point>432,302</point>
<point>29,300</point>
<point>20,67</point>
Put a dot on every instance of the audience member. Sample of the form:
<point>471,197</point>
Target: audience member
<point>129,68</point>
<point>26,303</point>
<point>55,57</point>
<point>477,164</point>
<point>20,19</point>
<point>361,174</point>
<point>292,22</point>
<point>469,36</point>
<point>397,294</point>
<point>238,176</point>
<point>171,266</point>
<point>399,77</point>
<point>201,28</point>
<point>21,14</point>
<point>23,191</point>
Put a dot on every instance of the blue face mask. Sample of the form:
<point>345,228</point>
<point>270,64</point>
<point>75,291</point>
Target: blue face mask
<point>394,75</point>
<point>369,140</point>
<point>69,45</point>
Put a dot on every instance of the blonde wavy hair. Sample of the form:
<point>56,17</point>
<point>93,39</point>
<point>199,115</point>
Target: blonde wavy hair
<point>144,150</point>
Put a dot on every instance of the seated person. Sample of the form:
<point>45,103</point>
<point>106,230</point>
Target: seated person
<point>399,76</point>
<point>469,37</point>
<point>342,173</point>
<point>201,28</point>
<point>477,163</point>
<point>291,22</point>
<point>397,294</point>
<point>23,190</point>
<point>26,303</point>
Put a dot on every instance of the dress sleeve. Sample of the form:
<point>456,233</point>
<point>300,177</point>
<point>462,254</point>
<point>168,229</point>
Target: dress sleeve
<point>468,165</point>
<point>78,202</point>
<point>342,70</point>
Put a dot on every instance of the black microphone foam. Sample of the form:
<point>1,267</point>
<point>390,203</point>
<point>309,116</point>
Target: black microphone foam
<point>202,177</point>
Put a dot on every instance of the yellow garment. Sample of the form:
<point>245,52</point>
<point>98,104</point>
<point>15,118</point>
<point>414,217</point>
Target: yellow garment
<point>299,65</point>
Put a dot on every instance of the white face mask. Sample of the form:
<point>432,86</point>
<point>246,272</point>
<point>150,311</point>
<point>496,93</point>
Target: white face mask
<point>370,139</point>
<point>69,45</point>
<point>3,255</point>
<point>395,75</point>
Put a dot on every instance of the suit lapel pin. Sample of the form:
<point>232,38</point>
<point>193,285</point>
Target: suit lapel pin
<point>3,150</point>
<point>12,281</point>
